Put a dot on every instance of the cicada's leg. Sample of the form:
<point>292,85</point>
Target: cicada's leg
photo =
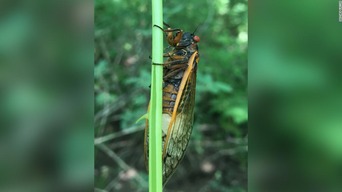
<point>172,40</point>
<point>174,72</point>
<point>167,25</point>
<point>173,57</point>
<point>168,64</point>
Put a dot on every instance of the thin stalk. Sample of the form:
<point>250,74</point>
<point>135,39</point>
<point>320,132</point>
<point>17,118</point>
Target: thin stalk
<point>155,112</point>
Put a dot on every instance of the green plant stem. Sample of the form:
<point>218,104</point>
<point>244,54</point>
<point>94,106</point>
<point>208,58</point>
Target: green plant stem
<point>155,112</point>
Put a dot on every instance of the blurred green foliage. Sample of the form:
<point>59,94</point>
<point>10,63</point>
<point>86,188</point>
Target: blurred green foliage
<point>295,96</point>
<point>46,113</point>
<point>216,159</point>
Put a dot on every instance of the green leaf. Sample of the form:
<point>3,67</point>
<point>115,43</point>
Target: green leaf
<point>100,68</point>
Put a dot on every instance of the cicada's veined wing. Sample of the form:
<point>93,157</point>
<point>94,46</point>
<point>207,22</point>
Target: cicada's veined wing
<point>180,126</point>
<point>146,141</point>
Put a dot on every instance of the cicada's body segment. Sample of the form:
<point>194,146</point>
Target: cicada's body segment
<point>179,86</point>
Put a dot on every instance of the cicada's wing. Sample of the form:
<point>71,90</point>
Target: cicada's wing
<point>180,126</point>
<point>146,141</point>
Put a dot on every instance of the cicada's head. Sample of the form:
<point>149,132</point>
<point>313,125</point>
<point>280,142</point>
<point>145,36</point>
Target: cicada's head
<point>188,39</point>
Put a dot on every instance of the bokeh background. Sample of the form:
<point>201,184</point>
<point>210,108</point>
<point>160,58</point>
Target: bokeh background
<point>295,126</point>
<point>216,158</point>
<point>46,96</point>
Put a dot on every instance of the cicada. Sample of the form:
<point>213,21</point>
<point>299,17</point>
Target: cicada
<point>179,86</point>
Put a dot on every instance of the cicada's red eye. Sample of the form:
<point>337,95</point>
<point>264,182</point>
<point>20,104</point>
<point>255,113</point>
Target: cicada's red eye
<point>196,38</point>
